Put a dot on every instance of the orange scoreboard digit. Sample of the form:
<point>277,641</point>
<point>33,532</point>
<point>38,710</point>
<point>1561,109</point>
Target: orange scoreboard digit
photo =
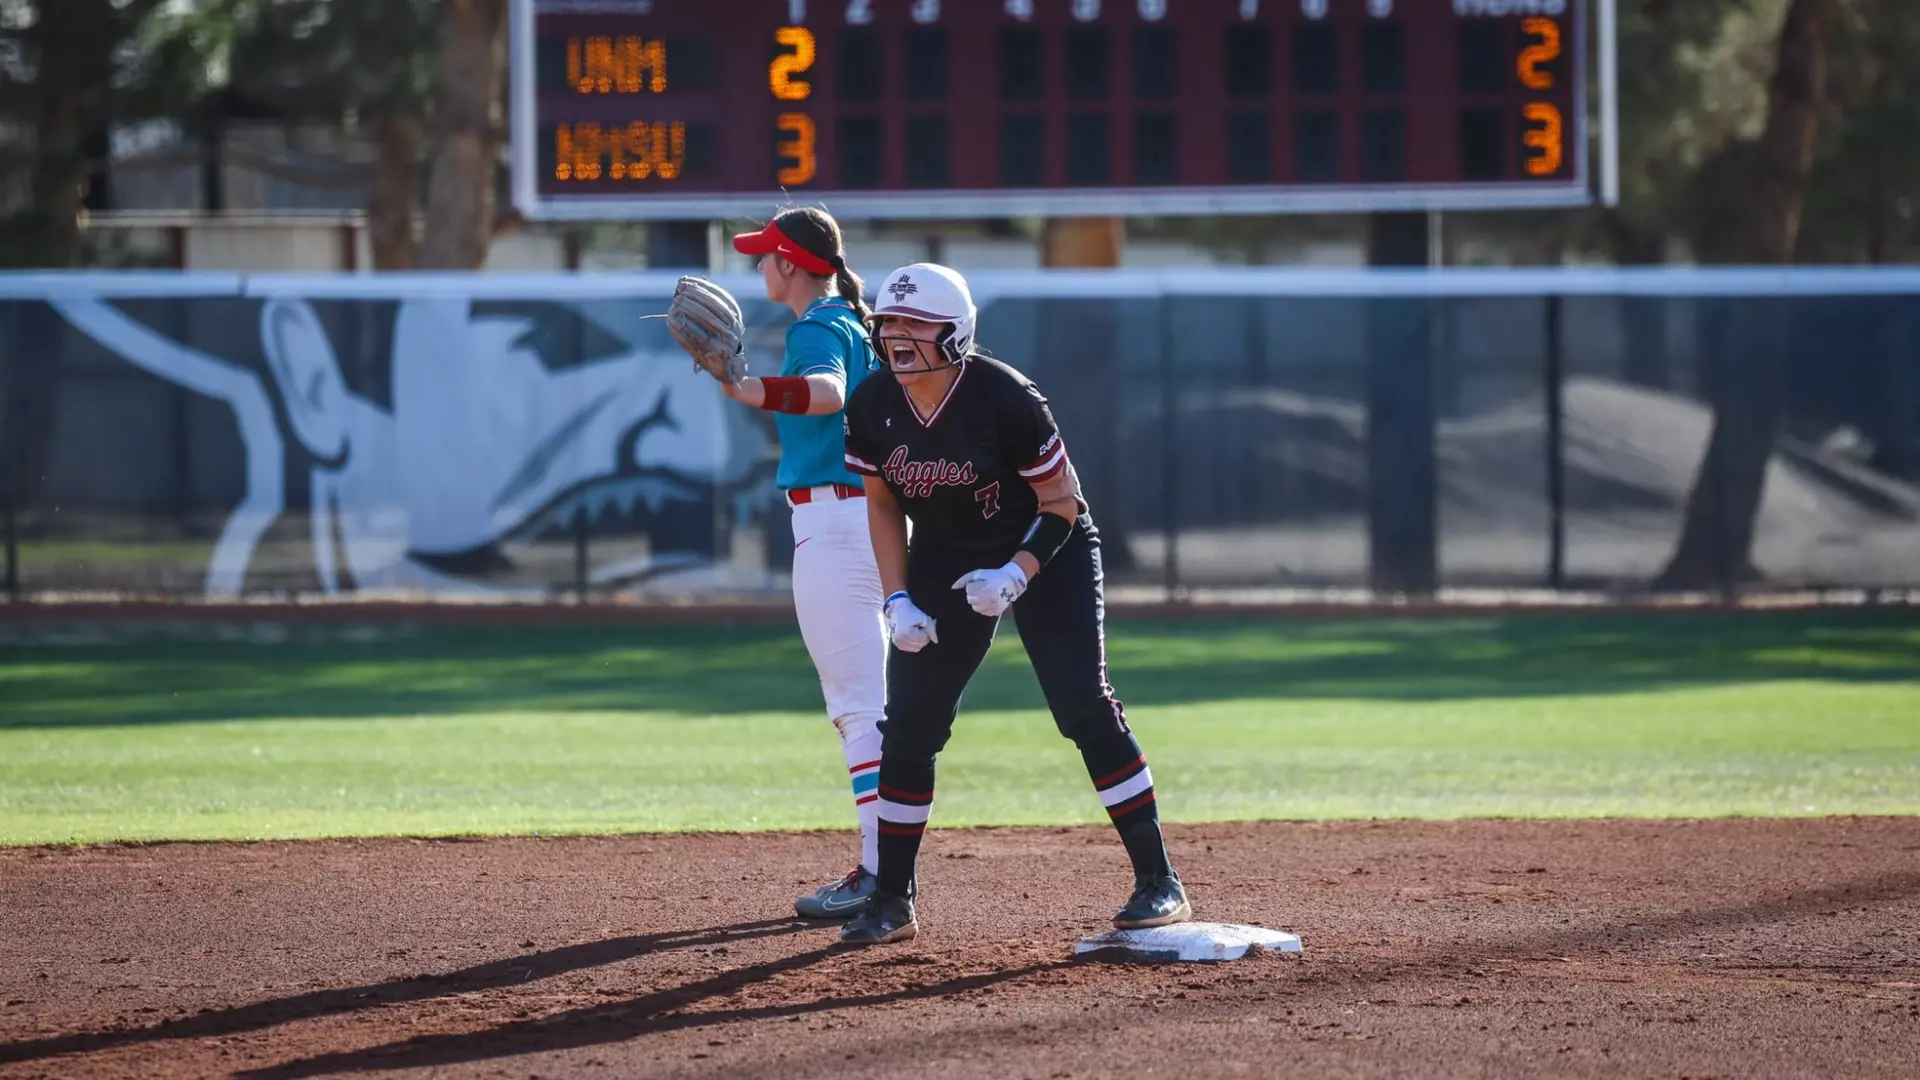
<point>907,108</point>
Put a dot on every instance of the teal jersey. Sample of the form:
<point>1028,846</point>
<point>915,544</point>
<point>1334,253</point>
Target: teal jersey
<point>829,337</point>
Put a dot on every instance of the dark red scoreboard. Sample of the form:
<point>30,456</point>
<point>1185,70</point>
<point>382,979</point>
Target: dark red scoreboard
<point>945,108</point>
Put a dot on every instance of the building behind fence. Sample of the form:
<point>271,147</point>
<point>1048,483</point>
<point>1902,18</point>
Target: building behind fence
<point>1235,430</point>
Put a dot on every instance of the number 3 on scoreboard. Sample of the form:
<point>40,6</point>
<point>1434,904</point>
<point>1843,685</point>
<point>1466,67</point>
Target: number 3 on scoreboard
<point>1543,138</point>
<point>798,161</point>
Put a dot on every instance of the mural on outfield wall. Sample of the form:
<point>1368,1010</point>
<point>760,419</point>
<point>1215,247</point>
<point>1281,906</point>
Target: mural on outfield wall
<point>480,436</point>
<point>529,436</point>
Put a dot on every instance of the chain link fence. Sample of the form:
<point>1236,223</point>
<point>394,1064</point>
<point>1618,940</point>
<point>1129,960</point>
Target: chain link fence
<point>1238,432</point>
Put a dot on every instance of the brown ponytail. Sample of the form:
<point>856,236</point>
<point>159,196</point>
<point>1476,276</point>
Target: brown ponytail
<point>852,290</point>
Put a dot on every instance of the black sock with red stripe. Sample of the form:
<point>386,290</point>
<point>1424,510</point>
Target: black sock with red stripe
<point>906,802</point>
<point>1121,778</point>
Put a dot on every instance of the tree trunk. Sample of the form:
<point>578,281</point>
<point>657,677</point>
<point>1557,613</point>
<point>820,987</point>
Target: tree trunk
<point>1787,144</point>
<point>396,189</point>
<point>1747,380</point>
<point>467,129</point>
<point>46,233</point>
<point>1716,542</point>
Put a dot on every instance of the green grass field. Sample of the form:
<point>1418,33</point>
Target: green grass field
<point>115,732</point>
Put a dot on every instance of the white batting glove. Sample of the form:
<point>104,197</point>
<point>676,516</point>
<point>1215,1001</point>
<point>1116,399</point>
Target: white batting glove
<point>992,592</point>
<point>910,628</point>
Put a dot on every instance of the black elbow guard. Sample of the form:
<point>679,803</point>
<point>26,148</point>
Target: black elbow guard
<point>1046,536</point>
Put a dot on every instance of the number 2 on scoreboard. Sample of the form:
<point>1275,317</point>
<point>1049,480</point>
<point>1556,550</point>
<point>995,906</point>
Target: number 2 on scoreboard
<point>795,59</point>
<point>799,161</point>
<point>1536,56</point>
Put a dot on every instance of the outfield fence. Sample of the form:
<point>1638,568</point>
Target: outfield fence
<point>1238,431</point>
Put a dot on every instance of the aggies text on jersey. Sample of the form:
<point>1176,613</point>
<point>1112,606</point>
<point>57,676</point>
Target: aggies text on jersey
<point>962,475</point>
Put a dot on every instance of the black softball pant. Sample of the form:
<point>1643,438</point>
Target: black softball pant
<point>1062,623</point>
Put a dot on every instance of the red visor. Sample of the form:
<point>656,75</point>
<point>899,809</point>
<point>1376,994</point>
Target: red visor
<point>771,241</point>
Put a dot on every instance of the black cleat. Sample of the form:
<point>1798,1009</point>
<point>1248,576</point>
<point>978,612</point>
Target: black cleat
<point>886,917</point>
<point>1156,901</point>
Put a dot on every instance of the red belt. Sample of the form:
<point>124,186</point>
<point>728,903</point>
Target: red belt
<point>797,496</point>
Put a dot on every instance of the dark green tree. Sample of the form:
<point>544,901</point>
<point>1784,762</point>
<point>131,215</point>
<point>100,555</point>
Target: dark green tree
<point>1693,78</point>
<point>369,63</point>
<point>1863,201</point>
<point>69,69</point>
<point>424,79</point>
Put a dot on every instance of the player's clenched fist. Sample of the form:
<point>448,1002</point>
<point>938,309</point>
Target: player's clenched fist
<point>910,628</point>
<point>992,592</point>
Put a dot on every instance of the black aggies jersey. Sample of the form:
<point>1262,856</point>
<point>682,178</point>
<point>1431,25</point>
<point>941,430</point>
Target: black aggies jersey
<point>963,475</point>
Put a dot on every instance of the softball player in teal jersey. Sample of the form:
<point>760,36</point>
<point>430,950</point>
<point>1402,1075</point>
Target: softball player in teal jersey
<point>836,586</point>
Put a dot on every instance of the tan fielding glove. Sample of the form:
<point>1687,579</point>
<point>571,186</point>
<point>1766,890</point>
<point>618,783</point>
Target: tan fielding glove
<point>705,319</point>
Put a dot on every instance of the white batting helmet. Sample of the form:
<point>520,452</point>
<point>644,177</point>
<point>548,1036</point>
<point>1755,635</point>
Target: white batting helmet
<point>929,292</point>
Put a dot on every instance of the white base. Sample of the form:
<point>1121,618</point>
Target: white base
<point>1189,942</point>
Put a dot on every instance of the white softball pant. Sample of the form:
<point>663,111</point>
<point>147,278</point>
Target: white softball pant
<point>836,594</point>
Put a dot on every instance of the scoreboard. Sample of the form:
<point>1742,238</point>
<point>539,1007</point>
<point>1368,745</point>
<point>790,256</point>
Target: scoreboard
<point>982,108</point>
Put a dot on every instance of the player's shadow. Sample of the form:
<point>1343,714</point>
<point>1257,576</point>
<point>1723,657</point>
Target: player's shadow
<point>1346,978</point>
<point>663,1011</point>
<point>511,971</point>
<point>619,1021</point>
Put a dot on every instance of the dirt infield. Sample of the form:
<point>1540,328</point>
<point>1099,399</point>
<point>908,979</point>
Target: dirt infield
<point>1577,949</point>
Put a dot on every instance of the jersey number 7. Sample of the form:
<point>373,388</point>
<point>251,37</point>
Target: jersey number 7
<point>989,499</point>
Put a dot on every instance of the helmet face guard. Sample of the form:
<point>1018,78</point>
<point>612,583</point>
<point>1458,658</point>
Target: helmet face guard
<point>943,345</point>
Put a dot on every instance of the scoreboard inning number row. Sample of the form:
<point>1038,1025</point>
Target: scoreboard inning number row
<point>888,108</point>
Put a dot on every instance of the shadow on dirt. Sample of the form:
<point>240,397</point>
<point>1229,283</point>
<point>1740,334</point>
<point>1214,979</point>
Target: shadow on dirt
<point>1642,931</point>
<point>660,1012</point>
<point>1334,979</point>
<point>620,1021</point>
<point>511,971</point>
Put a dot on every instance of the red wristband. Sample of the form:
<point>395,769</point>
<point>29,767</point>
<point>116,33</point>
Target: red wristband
<point>786,394</point>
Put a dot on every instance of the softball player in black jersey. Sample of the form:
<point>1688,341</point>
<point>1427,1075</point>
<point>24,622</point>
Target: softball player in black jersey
<point>965,447</point>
